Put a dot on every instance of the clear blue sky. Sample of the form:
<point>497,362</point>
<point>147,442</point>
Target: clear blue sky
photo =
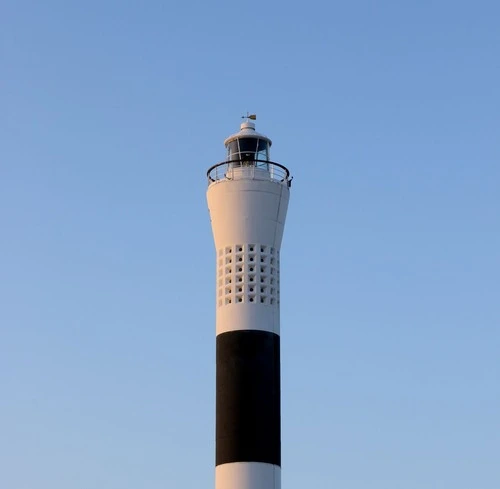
<point>387,114</point>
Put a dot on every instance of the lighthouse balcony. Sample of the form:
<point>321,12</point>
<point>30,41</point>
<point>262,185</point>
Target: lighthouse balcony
<point>254,170</point>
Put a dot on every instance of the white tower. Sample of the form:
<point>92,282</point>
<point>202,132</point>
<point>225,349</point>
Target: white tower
<point>248,199</point>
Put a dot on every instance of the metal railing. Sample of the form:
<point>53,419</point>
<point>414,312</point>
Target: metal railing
<point>258,169</point>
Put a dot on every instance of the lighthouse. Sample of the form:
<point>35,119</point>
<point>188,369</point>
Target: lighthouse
<point>248,199</point>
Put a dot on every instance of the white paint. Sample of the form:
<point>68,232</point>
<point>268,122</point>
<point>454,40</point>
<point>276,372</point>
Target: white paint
<point>237,317</point>
<point>248,284</point>
<point>248,210</point>
<point>247,475</point>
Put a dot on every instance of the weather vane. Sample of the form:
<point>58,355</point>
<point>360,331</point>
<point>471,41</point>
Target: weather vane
<point>249,116</point>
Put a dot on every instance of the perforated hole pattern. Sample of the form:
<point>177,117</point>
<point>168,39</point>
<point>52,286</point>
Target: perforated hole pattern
<point>248,274</point>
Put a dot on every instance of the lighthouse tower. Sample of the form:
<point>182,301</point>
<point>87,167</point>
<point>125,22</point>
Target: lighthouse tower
<point>248,199</point>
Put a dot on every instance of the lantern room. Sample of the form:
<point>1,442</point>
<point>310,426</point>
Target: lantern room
<point>247,157</point>
<point>248,147</point>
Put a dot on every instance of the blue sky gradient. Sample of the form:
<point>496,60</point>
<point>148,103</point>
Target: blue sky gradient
<point>387,115</point>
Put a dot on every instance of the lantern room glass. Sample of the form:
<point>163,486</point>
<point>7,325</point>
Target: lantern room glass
<point>248,152</point>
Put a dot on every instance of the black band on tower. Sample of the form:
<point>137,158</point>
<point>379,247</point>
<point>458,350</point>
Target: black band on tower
<point>248,423</point>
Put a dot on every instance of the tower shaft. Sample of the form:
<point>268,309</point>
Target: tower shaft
<point>248,206</point>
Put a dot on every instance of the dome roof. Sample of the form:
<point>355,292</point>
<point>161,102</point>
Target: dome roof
<point>247,130</point>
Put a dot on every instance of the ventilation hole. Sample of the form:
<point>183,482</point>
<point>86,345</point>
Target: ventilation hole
<point>262,280</point>
<point>262,249</point>
<point>251,258</point>
<point>262,290</point>
<point>240,249</point>
<point>262,259</point>
<point>251,289</point>
<point>262,269</point>
<point>240,259</point>
<point>272,261</point>
<point>262,300</point>
<point>251,299</point>
<point>251,269</point>
<point>272,301</point>
<point>240,269</point>
<point>240,289</point>
<point>228,301</point>
<point>240,279</point>
<point>251,248</point>
<point>239,299</point>
<point>251,278</point>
